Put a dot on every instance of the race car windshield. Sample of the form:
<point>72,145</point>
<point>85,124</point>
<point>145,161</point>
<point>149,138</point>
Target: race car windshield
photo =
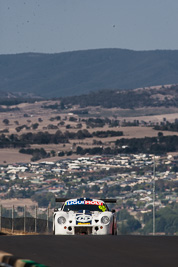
<point>85,207</point>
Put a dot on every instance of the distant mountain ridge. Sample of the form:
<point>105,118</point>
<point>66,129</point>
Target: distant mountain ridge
<point>80,72</point>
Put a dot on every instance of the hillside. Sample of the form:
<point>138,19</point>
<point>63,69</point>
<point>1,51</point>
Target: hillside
<point>79,72</point>
<point>160,96</point>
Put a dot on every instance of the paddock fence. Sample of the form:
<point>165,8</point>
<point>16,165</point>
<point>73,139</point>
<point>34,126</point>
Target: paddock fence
<point>26,219</point>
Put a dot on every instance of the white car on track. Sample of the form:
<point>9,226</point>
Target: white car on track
<point>84,216</point>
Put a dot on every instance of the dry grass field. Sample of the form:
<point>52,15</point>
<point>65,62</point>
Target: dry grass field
<point>9,156</point>
<point>8,203</point>
<point>29,114</point>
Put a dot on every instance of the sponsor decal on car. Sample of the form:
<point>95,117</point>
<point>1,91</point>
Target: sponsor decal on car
<point>102,207</point>
<point>84,202</point>
<point>73,202</point>
<point>83,219</point>
<point>78,223</point>
<point>98,203</point>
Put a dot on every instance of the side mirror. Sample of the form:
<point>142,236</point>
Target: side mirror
<point>57,209</point>
<point>113,210</point>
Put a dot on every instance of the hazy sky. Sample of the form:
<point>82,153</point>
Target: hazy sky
<point>53,26</point>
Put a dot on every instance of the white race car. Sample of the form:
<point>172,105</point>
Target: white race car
<point>84,216</point>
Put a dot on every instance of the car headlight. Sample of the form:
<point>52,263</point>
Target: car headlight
<point>61,220</point>
<point>105,219</point>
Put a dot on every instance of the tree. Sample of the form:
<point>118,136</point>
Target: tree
<point>61,154</point>
<point>95,188</point>
<point>6,121</point>
<point>35,126</point>
<point>123,215</point>
<point>130,203</point>
<point>160,134</point>
<point>44,199</point>
<point>127,188</point>
<point>62,106</point>
<point>53,153</point>
<point>123,229</point>
<point>133,224</point>
<point>105,189</point>
<point>80,150</point>
<point>40,119</point>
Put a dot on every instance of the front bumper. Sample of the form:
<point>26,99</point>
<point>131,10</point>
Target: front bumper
<point>83,230</point>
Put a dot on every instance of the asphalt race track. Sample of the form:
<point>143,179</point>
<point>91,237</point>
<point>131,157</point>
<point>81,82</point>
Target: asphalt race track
<point>104,251</point>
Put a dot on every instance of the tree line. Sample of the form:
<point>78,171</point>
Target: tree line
<point>152,145</point>
<point>22,140</point>
<point>125,99</point>
<point>168,126</point>
<point>166,220</point>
